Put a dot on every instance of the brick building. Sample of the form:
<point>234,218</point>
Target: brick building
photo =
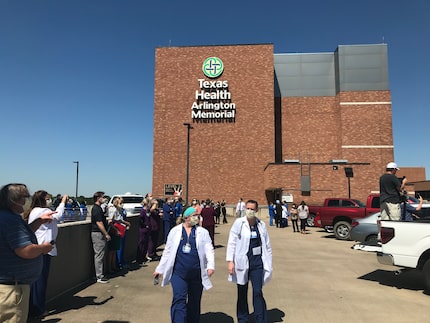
<point>270,126</point>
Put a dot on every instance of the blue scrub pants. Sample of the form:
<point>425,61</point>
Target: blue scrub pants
<point>186,302</point>
<point>120,253</point>
<point>167,227</point>
<point>260,308</point>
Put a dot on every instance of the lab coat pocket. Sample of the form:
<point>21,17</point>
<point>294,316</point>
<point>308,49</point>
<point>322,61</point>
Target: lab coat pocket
<point>241,263</point>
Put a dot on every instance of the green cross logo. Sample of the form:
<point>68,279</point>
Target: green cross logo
<point>213,67</point>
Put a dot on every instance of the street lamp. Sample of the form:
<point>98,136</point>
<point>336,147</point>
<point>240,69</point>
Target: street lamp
<point>77,177</point>
<point>189,127</point>
<point>349,173</point>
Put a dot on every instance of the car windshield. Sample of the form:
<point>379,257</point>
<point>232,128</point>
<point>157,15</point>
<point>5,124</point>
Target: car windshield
<point>132,199</point>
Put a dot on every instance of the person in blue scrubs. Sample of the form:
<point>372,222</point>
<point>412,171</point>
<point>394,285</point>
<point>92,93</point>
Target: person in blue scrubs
<point>272,213</point>
<point>187,263</point>
<point>249,257</point>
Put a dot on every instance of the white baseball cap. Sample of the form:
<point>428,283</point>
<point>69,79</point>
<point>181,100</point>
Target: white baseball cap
<point>392,166</point>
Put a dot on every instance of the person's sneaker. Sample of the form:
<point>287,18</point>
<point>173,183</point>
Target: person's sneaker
<point>103,280</point>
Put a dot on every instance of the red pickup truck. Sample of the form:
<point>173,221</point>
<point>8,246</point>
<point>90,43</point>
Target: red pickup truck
<point>336,214</point>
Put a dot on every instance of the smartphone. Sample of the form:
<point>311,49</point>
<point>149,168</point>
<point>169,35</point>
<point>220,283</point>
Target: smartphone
<point>156,280</point>
<point>52,242</point>
<point>417,195</point>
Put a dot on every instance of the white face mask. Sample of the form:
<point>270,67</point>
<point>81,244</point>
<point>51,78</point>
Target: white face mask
<point>194,220</point>
<point>48,203</point>
<point>250,214</point>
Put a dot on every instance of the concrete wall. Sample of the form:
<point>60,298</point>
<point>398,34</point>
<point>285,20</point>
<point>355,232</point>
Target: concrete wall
<point>74,264</point>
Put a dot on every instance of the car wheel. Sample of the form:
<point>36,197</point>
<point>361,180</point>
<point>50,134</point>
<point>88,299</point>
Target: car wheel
<point>310,220</point>
<point>342,230</point>
<point>426,274</point>
<point>373,238</point>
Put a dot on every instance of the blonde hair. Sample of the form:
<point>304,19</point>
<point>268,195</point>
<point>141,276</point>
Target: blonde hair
<point>117,201</point>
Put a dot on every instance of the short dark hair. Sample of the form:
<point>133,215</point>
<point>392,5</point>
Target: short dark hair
<point>254,202</point>
<point>97,195</point>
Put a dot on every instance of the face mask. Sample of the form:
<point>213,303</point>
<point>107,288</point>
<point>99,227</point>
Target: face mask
<point>121,205</point>
<point>194,220</point>
<point>250,214</point>
<point>48,203</point>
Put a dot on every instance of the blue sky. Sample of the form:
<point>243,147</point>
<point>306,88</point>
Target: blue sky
<point>76,77</point>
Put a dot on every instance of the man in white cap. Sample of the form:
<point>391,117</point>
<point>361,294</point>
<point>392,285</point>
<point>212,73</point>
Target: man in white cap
<point>390,188</point>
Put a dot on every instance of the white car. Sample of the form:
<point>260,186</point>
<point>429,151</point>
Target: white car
<point>132,202</point>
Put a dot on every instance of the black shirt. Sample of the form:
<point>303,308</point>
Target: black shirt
<point>97,215</point>
<point>389,186</point>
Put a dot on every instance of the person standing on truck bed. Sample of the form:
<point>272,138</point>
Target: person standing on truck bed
<point>390,188</point>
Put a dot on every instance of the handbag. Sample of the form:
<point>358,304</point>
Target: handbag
<point>120,229</point>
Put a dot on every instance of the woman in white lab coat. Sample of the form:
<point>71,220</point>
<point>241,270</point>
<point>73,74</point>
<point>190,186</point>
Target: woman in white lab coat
<point>187,263</point>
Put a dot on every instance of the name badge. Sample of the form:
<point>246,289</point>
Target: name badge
<point>253,234</point>
<point>186,248</point>
<point>256,251</point>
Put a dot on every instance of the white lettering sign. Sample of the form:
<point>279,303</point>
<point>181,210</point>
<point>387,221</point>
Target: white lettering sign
<point>213,102</point>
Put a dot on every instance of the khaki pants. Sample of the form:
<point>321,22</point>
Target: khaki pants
<point>14,301</point>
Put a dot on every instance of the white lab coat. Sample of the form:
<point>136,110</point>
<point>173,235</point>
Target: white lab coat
<point>237,249</point>
<point>204,249</point>
<point>47,231</point>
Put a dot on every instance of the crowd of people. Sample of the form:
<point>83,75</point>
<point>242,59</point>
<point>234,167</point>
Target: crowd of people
<point>280,215</point>
<point>28,232</point>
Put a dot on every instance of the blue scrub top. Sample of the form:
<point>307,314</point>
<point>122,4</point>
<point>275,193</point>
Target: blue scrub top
<point>187,265</point>
<point>255,261</point>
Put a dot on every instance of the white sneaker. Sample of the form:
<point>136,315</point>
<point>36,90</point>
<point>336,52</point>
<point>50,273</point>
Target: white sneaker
<point>103,280</point>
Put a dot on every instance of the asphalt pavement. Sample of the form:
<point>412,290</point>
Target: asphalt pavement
<point>316,278</point>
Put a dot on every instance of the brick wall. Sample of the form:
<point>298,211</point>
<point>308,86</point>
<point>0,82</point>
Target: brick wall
<point>232,160</point>
<point>226,159</point>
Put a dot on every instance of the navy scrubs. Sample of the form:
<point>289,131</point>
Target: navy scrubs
<point>255,275</point>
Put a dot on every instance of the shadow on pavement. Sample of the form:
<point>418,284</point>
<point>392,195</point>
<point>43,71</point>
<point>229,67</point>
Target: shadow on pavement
<point>216,317</point>
<point>273,315</point>
<point>409,279</point>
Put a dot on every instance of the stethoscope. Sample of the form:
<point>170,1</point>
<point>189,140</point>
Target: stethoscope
<point>192,234</point>
<point>241,225</point>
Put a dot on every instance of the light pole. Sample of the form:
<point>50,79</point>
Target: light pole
<point>77,177</point>
<point>187,176</point>
<point>349,173</point>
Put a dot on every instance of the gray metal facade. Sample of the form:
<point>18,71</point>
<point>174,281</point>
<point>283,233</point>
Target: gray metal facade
<point>349,68</point>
